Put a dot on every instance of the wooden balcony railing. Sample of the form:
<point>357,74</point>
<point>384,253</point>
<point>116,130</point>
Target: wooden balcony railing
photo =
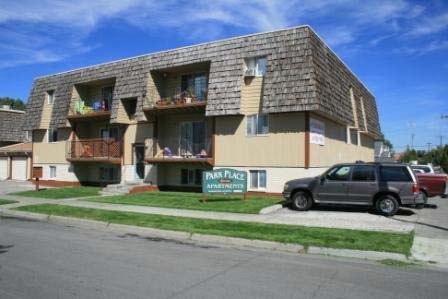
<point>94,150</point>
<point>178,150</point>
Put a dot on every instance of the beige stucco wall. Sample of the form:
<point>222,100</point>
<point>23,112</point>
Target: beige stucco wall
<point>54,152</point>
<point>336,149</point>
<point>283,146</point>
<point>251,93</point>
<point>135,133</point>
<point>47,110</point>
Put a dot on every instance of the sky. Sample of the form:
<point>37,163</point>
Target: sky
<point>398,48</point>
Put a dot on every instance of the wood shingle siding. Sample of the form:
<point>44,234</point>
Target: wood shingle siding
<point>302,74</point>
<point>11,126</point>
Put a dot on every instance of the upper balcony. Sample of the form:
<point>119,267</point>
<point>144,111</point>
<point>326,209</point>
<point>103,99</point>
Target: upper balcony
<point>178,89</point>
<point>91,100</point>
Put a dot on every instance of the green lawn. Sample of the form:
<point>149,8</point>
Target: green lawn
<point>307,236</point>
<point>192,201</point>
<point>6,201</point>
<point>58,193</point>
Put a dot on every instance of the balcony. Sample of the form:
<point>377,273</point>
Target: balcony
<point>178,150</point>
<point>91,101</point>
<point>95,150</point>
<point>178,89</point>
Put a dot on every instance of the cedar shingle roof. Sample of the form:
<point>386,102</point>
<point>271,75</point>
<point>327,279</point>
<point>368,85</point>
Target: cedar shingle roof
<point>11,125</point>
<point>302,74</point>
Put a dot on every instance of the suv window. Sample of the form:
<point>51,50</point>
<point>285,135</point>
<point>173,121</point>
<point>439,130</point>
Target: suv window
<point>338,173</point>
<point>363,173</point>
<point>395,174</point>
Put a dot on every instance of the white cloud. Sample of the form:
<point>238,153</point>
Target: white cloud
<point>51,30</point>
<point>430,25</point>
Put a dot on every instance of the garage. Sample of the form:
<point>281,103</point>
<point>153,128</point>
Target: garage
<point>3,168</point>
<point>15,161</point>
<point>19,168</point>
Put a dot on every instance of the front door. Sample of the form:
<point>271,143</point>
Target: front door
<point>333,186</point>
<point>139,161</point>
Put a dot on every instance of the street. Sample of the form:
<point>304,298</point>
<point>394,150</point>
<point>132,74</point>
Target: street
<point>41,260</point>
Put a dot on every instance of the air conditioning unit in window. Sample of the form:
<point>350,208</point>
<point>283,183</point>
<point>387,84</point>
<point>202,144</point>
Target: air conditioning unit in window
<point>249,73</point>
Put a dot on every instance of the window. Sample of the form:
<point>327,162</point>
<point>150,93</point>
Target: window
<point>191,176</point>
<point>50,97</point>
<point>257,124</point>
<point>52,172</point>
<point>363,173</point>
<point>257,179</point>
<point>52,135</point>
<point>108,174</point>
<point>130,106</point>
<point>395,174</point>
<point>256,66</point>
<point>339,173</point>
<point>107,94</point>
<point>195,85</point>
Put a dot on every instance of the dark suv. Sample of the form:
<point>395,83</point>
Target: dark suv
<point>383,186</point>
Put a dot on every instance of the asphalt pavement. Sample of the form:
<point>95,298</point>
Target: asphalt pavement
<point>43,260</point>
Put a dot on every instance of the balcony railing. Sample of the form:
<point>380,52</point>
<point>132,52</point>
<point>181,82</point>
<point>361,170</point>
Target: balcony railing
<point>178,150</point>
<point>94,150</point>
<point>82,109</point>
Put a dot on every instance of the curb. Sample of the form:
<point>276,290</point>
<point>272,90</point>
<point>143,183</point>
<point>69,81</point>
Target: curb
<point>368,255</point>
<point>270,209</point>
<point>200,238</point>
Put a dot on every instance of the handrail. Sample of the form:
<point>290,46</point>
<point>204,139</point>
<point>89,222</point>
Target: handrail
<point>94,149</point>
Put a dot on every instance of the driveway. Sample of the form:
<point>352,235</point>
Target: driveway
<point>9,186</point>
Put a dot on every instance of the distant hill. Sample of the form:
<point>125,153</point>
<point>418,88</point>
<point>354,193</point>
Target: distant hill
<point>16,104</point>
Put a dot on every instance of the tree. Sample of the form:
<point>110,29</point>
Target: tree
<point>16,104</point>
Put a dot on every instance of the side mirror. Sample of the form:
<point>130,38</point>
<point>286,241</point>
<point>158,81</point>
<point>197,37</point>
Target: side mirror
<point>322,179</point>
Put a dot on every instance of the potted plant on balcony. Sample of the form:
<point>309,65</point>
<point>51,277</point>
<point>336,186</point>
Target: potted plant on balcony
<point>191,95</point>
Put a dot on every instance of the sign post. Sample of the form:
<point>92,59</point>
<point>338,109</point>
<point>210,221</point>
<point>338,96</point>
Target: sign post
<point>224,181</point>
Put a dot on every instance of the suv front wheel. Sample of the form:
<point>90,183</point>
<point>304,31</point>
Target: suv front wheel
<point>387,205</point>
<point>301,201</point>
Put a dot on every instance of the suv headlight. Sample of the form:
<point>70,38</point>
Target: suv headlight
<point>285,187</point>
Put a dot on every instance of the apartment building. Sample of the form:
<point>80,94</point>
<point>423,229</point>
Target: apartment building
<point>279,105</point>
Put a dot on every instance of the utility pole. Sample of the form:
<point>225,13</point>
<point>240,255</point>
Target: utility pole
<point>441,140</point>
<point>429,146</point>
<point>412,140</point>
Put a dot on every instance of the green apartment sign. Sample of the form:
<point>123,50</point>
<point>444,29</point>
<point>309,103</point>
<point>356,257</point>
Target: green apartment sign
<point>224,180</point>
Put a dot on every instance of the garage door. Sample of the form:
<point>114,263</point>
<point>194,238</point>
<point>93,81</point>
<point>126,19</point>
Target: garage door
<point>19,168</point>
<point>3,168</point>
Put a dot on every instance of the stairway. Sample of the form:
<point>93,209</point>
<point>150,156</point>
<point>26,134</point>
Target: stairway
<point>116,189</point>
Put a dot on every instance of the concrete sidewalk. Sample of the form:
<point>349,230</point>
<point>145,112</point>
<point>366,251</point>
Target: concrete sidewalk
<point>328,219</point>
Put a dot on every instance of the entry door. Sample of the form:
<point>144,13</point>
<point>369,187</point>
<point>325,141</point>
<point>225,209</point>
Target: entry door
<point>333,186</point>
<point>139,161</point>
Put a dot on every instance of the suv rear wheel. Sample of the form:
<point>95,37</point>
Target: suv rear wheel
<point>387,205</point>
<point>302,201</point>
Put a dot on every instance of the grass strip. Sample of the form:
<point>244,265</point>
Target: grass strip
<point>307,236</point>
<point>59,193</point>
<point>192,201</point>
<point>6,201</point>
